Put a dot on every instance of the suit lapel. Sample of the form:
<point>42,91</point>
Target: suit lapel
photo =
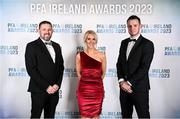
<point>135,46</point>
<point>125,49</point>
<point>44,48</point>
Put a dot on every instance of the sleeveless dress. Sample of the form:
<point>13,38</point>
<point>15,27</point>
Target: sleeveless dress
<point>90,92</point>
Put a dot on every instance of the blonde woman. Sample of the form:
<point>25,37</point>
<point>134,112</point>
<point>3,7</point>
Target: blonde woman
<point>91,68</point>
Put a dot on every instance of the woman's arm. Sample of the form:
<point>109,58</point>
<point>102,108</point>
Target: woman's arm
<point>78,68</point>
<point>103,65</point>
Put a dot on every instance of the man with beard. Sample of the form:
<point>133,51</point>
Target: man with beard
<point>45,66</point>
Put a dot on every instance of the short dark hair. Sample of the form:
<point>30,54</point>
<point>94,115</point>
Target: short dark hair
<point>134,17</point>
<point>44,22</point>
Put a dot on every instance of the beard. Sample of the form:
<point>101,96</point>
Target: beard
<point>46,37</point>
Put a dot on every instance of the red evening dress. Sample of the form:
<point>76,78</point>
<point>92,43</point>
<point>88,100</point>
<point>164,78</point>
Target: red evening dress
<point>90,92</point>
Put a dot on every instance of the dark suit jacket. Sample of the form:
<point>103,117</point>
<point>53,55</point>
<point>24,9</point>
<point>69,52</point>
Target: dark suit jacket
<point>40,66</point>
<point>135,69</point>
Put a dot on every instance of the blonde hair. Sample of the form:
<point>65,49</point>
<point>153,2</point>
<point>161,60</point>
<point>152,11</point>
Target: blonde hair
<point>92,33</point>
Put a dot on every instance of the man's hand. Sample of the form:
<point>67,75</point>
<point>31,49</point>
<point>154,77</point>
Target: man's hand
<point>125,86</point>
<point>56,87</point>
<point>50,90</point>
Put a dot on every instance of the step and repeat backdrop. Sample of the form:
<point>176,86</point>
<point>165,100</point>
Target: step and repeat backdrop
<point>19,21</point>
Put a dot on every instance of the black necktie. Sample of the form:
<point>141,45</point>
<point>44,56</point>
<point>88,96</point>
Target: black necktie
<point>134,40</point>
<point>48,43</point>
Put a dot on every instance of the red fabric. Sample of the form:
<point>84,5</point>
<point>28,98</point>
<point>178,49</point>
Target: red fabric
<point>90,91</point>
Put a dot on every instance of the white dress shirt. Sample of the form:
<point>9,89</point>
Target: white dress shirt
<point>129,48</point>
<point>50,49</point>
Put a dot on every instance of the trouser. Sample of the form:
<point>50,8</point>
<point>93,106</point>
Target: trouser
<point>44,101</point>
<point>138,99</point>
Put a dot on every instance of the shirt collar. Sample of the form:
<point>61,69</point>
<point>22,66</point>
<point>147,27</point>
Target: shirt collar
<point>135,37</point>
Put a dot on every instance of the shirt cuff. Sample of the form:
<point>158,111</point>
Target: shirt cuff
<point>120,80</point>
<point>129,83</point>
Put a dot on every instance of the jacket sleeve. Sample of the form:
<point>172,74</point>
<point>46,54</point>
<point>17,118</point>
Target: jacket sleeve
<point>119,63</point>
<point>32,68</point>
<point>61,67</point>
<point>147,56</point>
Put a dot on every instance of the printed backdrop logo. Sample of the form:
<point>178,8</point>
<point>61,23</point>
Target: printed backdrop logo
<point>67,28</point>
<point>172,51</point>
<point>110,115</point>
<point>111,72</point>
<point>99,48</point>
<point>60,93</point>
<point>22,27</point>
<point>103,115</point>
<point>9,50</point>
<point>102,49</point>
<point>160,73</point>
<point>157,28</point>
<point>69,72</point>
<point>111,28</point>
<point>32,28</point>
<point>79,49</point>
<point>66,115</point>
<point>15,72</point>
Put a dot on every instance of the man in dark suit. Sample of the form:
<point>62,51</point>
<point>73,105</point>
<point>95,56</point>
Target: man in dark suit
<point>45,66</point>
<point>135,57</point>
